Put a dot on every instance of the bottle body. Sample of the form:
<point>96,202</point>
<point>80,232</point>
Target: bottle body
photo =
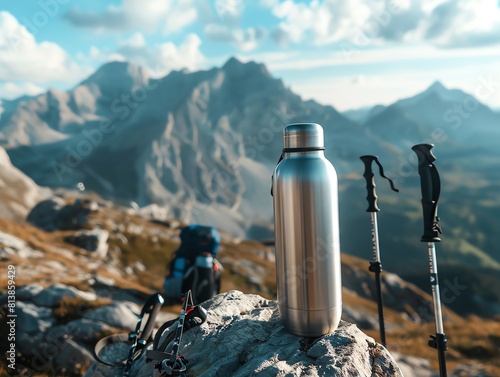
<point>307,243</point>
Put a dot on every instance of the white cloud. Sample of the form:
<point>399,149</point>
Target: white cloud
<point>187,55</point>
<point>23,59</point>
<point>164,57</point>
<point>12,90</point>
<point>136,40</point>
<point>444,23</point>
<point>243,39</point>
<point>229,10</point>
<point>322,22</point>
<point>464,23</point>
<point>96,55</point>
<point>179,16</point>
<point>148,15</point>
<point>227,28</point>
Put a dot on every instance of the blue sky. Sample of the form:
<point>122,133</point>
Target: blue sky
<point>347,54</point>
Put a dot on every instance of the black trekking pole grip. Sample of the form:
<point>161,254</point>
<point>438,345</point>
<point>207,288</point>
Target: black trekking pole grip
<point>430,186</point>
<point>370,183</point>
<point>152,307</point>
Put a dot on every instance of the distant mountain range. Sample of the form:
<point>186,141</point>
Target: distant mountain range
<point>203,145</point>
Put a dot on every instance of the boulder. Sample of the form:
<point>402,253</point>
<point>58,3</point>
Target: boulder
<point>120,315</point>
<point>55,214</point>
<point>27,343</point>
<point>412,366</point>
<point>73,358</point>
<point>51,296</point>
<point>32,319</point>
<point>244,336</point>
<point>13,246</point>
<point>26,292</point>
<point>44,214</point>
<point>83,330</point>
<point>94,240</point>
<point>364,319</point>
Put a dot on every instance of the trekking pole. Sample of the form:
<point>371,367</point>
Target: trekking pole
<point>175,365</point>
<point>376,264</point>
<point>431,188</point>
<point>139,339</point>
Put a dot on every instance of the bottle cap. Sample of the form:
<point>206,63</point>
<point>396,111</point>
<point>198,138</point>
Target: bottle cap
<point>303,135</point>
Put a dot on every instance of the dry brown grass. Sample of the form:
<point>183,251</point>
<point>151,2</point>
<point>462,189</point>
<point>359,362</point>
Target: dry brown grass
<point>473,341</point>
<point>247,250</point>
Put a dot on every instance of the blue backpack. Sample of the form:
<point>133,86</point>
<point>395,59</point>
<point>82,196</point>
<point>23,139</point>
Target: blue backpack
<point>194,266</point>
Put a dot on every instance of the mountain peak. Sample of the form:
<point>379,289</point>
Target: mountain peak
<point>437,91</point>
<point>116,74</point>
<point>236,67</point>
<point>437,87</point>
<point>117,68</point>
<point>232,62</point>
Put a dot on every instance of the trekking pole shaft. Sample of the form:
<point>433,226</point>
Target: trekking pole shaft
<point>380,309</point>
<point>442,362</point>
<point>438,315</point>
<point>376,249</point>
<point>376,266</point>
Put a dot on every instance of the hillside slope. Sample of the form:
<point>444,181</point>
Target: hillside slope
<point>139,249</point>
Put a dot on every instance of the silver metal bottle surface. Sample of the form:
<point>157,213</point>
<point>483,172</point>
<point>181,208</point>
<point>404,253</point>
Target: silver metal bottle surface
<point>305,196</point>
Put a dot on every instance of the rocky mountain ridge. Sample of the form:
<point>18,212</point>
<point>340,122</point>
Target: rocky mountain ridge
<point>187,138</point>
<point>202,146</point>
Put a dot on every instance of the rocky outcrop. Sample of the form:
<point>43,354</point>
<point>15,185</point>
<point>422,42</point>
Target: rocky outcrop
<point>18,192</point>
<point>13,246</point>
<point>243,336</point>
<point>56,214</point>
<point>56,336</point>
<point>94,240</point>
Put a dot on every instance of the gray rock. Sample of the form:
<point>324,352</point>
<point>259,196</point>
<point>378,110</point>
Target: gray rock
<point>50,297</point>
<point>72,357</point>
<point>27,343</point>
<point>45,213</point>
<point>362,318</point>
<point>94,240</point>
<point>82,329</point>
<point>87,331</point>
<point>13,246</point>
<point>59,348</point>
<point>243,336</point>
<point>102,280</point>
<point>120,315</point>
<point>26,292</point>
<point>54,213</point>
<point>33,319</point>
<point>412,366</point>
<point>476,370</point>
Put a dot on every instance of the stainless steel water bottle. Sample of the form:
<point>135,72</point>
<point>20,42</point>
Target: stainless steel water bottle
<point>305,196</point>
